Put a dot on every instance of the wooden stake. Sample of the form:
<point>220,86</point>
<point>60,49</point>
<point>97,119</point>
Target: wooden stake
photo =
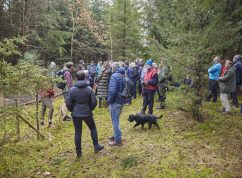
<point>17,121</point>
<point>37,113</point>
<point>31,126</point>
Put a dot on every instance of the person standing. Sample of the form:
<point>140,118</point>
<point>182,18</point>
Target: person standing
<point>68,78</point>
<point>141,75</point>
<point>46,100</point>
<point>238,81</point>
<point>81,65</point>
<point>134,78</point>
<point>129,74</point>
<point>81,101</point>
<point>53,69</point>
<point>116,86</point>
<point>226,84</point>
<point>149,87</point>
<point>92,70</point>
<point>162,84</point>
<point>214,73</point>
<point>102,82</point>
<point>99,68</point>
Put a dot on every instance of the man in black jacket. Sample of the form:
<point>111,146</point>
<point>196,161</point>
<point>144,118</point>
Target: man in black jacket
<point>81,101</point>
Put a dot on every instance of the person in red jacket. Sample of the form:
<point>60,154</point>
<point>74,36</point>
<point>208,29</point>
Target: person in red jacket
<point>46,100</point>
<point>149,87</point>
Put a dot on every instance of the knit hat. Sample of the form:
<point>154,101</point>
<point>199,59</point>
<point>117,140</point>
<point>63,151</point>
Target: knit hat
<point>69,65</point>
<point>132,64</point>
<point>149,62</point>
<point>237,57</point>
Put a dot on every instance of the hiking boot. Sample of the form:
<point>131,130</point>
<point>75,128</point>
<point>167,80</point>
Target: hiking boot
<point>111,138</point>
<point>115,143</point>
<point>226,112</point>
<point>42,123</point>
<point>67,118</point>
<point>78,155</point>
<point>98,148</point>
<point>50,124</point>
<point>223,109</point>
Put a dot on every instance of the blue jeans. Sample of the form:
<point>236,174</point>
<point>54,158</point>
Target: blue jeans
<point>115,111</point>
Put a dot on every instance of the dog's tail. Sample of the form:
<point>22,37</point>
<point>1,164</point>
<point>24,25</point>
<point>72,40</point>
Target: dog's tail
<point>160,116</point>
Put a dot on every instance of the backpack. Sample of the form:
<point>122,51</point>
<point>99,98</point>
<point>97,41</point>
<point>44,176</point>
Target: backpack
<point>62,84</point>
<point>127,90</point>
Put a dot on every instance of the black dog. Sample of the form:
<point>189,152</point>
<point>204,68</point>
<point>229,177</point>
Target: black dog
<point>141,119</point>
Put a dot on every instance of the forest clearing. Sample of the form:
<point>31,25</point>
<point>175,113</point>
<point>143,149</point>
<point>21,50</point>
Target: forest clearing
<point>181,148</point>
<point>121,88</point>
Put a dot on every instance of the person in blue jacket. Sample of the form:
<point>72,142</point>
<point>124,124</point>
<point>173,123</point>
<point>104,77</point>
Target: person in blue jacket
<point>214,73</point>
<point>81,101</point>
<point>116,86</point>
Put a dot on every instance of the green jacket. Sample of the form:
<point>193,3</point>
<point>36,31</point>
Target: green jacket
<point>163,75</point>
<point>226,82</point>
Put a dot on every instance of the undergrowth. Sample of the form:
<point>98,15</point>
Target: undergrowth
<point>181,148</point>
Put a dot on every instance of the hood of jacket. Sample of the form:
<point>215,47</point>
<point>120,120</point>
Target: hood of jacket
<point>81,84</point>
<point>120,70</point>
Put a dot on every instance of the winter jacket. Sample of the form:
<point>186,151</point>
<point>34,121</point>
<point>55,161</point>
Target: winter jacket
<point>91,69</point>
<point>214,71</point>
<point>223,70</point>
<point>129,72</point>
<point>102,80</point>
<point>89,80</point>
<point>47,93</point>
<point>163,75</point>
<point>135,75</point>
<point>81,100</point>
<point>238,71</point>
<point>98,69</point>
<point>144,70</point>
<point>151,77</point>
<point>116,86</point>
<point>68,78</point>
<point>233,88</point>
<point>226,82</point>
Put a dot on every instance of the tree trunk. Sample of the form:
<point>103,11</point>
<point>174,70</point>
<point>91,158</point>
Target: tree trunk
<point>124,30</point>
<point>110,35</point>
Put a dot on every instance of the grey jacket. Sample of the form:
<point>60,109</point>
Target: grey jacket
<point>163,76</point>
<point>226,83</point>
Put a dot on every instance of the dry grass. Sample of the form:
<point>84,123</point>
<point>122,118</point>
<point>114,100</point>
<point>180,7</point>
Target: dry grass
<point>181,148</point>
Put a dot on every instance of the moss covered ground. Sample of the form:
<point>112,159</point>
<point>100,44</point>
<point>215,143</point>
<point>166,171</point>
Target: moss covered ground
<point>181,148</point>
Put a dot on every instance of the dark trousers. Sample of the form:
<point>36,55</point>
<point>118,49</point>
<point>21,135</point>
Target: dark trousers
<point>234,99</point>
<point>148,100</point>
<point>78,131</point>
<point>134,89</point>
<point>213,90</point>
<point>140,87</point>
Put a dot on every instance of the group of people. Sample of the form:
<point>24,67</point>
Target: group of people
<point>105,81</point>
<point>227,76</point>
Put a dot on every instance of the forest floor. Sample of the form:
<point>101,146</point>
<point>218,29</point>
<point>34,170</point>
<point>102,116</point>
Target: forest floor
<point>181,148</point>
